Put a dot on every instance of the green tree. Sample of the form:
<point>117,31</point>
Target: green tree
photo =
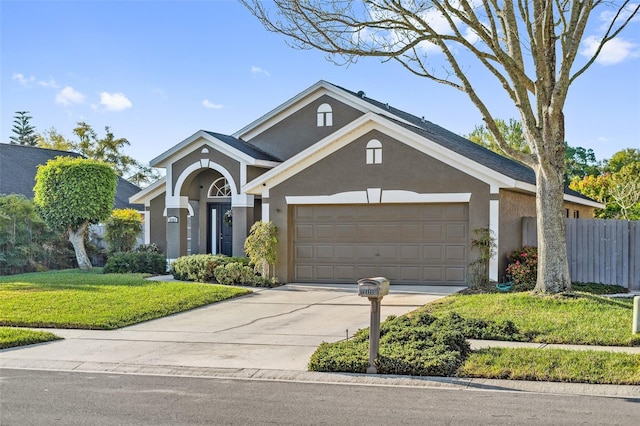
<point>107,149</point>
<point>529,48</point>
<point>122,230</point>
<point>25,133</point>
<point>71,194</point>
<point>578,163</point>
<point>622,158</point>
<point>511,132</point>
<point>51,139</point>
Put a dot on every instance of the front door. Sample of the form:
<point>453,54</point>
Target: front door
<point>219,231</point>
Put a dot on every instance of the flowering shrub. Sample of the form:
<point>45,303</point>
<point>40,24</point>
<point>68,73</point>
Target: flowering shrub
<point>523,265</point>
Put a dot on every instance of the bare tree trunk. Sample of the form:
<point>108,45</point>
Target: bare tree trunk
<point>553,267</point>
<point>77,240</point>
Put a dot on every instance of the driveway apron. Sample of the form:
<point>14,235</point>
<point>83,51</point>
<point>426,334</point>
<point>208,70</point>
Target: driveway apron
<point>269,329</point>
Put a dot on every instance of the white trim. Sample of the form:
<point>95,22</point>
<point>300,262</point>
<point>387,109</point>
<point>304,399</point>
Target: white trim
<point>373,195</point>
<point>361,126</point>
<point>400,196</point>
<point>494,226</point>
<point>145,195</point>
<point>147,226</point>
<point>265,212</point>
<point>376,196</point>
<point>582,201</point>
<point>303,99</point>
<point>171,199</point>
<point>184,204</point>
<point>184,148</point>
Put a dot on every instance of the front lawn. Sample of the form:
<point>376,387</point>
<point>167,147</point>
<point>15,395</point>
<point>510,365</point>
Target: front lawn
<point>92,300</point>
<point>582,319</point>
<point>11,337</point>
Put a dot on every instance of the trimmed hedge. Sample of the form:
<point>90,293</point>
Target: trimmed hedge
<point>217,268</point>
<point>418,345</point>
<point>135,262</point>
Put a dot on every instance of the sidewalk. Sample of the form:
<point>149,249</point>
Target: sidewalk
<point>267,335</point>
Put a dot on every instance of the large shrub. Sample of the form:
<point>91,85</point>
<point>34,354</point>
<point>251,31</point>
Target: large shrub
<point>201,267</point>
<point>72,193</point>
<point>523,266</point>
<point>261,246</point>
<point>122,229</point>
<point>26,243</point>
<point>135,262</point>
<point>419,345</point>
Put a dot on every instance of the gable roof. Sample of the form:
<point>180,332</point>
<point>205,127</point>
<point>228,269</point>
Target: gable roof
<point>230,145</point>
<point>19,164</point>
<point>500,164</point>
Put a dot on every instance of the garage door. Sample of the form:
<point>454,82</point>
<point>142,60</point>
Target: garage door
<point>407,243</point>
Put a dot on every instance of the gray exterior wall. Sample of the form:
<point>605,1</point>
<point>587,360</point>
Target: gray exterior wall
<point>229,164</point>
<point>158,223</point>
<point>403,168</point>
<point>300,130</point>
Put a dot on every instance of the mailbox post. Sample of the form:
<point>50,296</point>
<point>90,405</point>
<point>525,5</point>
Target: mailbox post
<point>374,289</point>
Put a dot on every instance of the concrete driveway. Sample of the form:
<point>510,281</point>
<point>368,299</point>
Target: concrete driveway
<point>270,329</point>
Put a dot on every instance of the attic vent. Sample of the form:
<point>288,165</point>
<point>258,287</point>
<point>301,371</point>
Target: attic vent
<point>361,94</point>
<point>204,151</point>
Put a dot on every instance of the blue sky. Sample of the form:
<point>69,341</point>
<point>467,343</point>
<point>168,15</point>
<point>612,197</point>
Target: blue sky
<point>158,71</point>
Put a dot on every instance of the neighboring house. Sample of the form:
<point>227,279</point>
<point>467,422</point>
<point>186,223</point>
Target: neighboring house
<point>19,164</point>
<point>356,188</point>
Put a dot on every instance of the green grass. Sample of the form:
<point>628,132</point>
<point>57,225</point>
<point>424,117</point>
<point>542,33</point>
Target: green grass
<point>92,300</point>
<point>553,365</point>
<point>12,337</point>
<point>583,319</point>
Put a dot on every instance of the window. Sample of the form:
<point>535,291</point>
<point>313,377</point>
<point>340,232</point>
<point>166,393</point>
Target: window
<point>576,214</point>
<point>374,152</point>
<point>220,188</point>
<point>325,115</point>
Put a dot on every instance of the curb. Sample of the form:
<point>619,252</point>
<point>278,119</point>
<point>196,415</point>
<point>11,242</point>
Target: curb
<point>451,383</point>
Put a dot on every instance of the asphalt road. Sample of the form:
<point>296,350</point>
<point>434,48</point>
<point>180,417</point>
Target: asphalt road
<point>30,397</point>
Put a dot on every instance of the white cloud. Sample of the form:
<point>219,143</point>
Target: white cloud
<point>208,104</point>
<point>114,101</point>
<point>68,96</point>
<point>51,83</point>
<point>613,52</point>
<point>24,81</point>
<point>258,70</point>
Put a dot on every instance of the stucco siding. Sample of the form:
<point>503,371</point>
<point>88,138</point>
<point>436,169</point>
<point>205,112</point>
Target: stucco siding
<point>300,129</point>
<point>402,168</point>
<point>231,165</point>
<point>513,207</point>
<point>158,223</point>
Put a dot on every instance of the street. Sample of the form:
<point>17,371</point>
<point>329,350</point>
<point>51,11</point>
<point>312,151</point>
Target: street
<point>33,397</point>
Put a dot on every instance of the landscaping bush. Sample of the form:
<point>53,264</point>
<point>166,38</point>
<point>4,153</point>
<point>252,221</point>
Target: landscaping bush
<point>523,266</point>
<point>234,273</point>
<point>27,244</point>
<point>135,262</point>
<point>122,229</point>
<point>420,345</point>
<point>201,267</point>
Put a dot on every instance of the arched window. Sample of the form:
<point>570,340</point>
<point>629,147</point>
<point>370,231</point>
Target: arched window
<point>325,115</point>
<point>220,188</point>
<point>374,152</point>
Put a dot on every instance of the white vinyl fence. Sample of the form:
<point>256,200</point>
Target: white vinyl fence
<point>600,250</point>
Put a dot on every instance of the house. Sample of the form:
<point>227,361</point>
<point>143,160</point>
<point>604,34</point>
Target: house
<point>19,164</point>
<point>356,187</point>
